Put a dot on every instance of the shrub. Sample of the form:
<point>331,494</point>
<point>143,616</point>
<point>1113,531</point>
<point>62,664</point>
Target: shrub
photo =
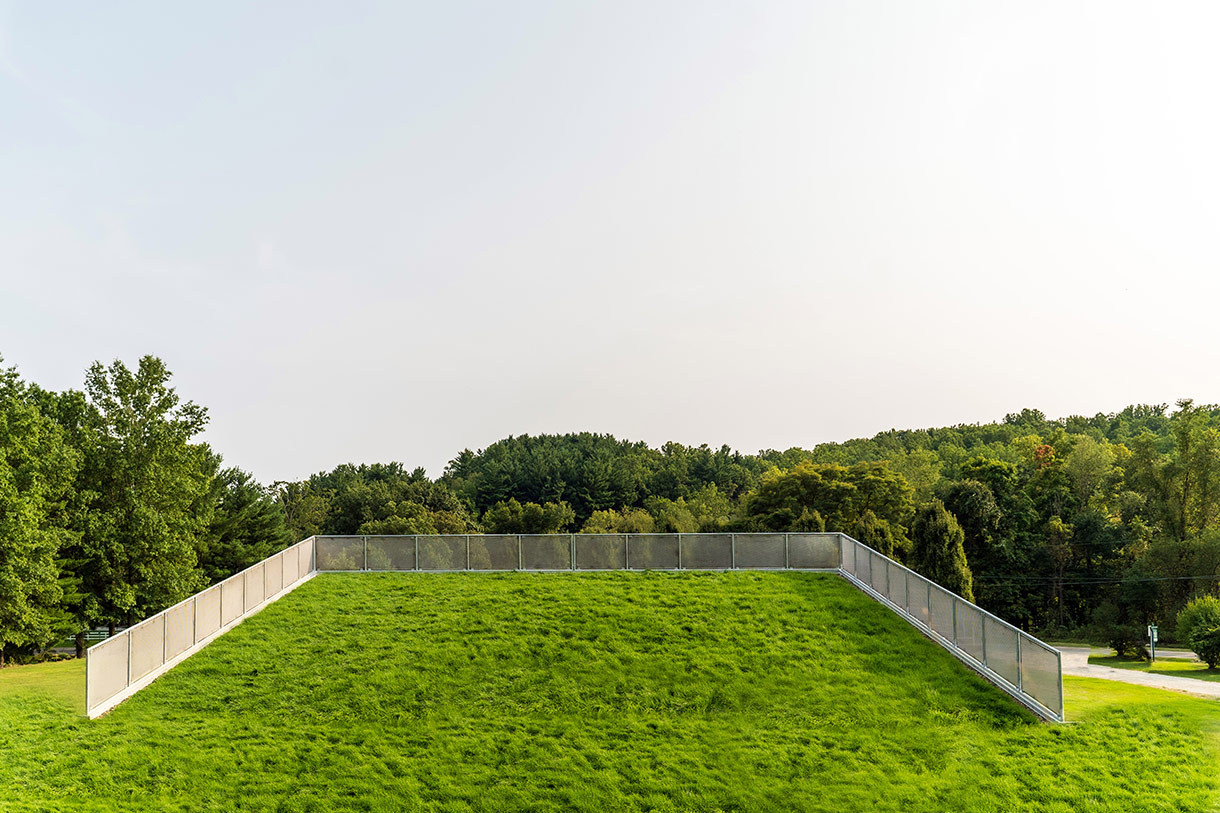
<point>1206,644</point>
<point>1199,618</point>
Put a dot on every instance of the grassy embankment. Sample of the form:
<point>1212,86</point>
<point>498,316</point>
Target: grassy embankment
<point>602,692</point>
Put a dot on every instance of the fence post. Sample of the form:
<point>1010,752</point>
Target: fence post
<point>365,540</point>
<point>1019,686</point>
<point>573,541</point>
<point>983,634</point>
<point>519,560</point>
<point>733,551</point>
<point>164,636</point>
<point>627,551</point>
<point>195,619</point>
<point>786,566</point>
<point>679,551</point>
<point>128,634</point>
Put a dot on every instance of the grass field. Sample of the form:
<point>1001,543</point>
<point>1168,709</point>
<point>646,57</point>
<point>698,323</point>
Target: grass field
<point>1175,667</point>
<point>606,692</point>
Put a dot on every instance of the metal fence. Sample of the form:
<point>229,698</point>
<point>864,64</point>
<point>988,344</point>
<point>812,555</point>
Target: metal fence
<point>123,664</point>
<point>1018,663</point>
<point>1015,661</point>
<point>558,552</point>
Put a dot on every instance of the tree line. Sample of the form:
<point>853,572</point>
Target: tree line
<point>111,509</point>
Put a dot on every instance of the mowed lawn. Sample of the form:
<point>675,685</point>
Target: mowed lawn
<point>598,692</point>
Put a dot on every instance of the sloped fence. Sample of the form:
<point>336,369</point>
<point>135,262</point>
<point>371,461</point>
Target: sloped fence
<point>1013,660</point>
<point>126,662</point>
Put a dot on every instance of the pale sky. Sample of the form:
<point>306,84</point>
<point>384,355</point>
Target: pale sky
<point>362,232</point>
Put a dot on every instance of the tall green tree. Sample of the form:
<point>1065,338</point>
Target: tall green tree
<point>937,550</point>
<point>245,523</point>
<point>36,478</point>
<point>145,480</point>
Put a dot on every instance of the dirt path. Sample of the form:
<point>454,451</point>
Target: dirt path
<point>1076,662</point>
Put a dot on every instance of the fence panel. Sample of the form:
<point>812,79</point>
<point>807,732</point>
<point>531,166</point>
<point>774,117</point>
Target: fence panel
<point>390,552</point>
<point>813,551</point>
<point>207,613</point>
<point>493,552</point>
<point>442,552</point>
<point>942,612</point>
<point>601,551</point>
<point>275,574</point>
<point>179,629</point>
<point>305,558</point>
<point>759,551</point>
<point>1002,649</point>
<point>917,600</point>
<point>1040,673</point>
<point>339,553</point>
<point>546,552</point>
<point>254,587</point>
<point>969,628</point>
<point>897,581</point>
<point>107,669</point>
<point>232,600</point>
<point>652,551</point>
<point>707,551</point>
<point>878,571</point>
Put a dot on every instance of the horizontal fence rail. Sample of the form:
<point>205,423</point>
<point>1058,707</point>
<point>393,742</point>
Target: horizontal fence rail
<point>1015,661</point>
<point>126,662</point>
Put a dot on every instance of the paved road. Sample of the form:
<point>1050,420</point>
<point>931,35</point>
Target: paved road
<point>1076,662</point>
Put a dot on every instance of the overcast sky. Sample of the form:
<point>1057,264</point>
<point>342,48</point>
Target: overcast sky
<point>361,232</point>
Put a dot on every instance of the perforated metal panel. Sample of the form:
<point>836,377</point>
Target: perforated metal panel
<point>652,551</point>
<point>877,571</point>
<point>942,612</point>
<point>864,564</point>
<point>917,599</point>
<point>546,552</point>
<point>442,553</point>
<point>601,551</point>
<point>254,587</point>
<point>231,600</point>
<point>851,557</point>
<point>1001,649</point>
<point>107,669</point>
<point>207,613</point>
<point>147,648</point>
<point>1040,677</point>
<point>707,551</point>
<point>391,552</point>
<point>898,584</point>
<point>760,551</point>
<point>491,552</point>
<point>179,629</point>
<point>813,550</point>
<point>970,630</point>
<point>275,574</point>
<point>339,553</point>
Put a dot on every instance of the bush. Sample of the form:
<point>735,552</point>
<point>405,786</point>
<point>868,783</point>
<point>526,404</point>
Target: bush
<point>1206,644</point>
<point>1199,619</point>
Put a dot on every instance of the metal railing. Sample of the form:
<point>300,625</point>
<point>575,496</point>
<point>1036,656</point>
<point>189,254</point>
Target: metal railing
<point>126,662</point>
<point>1018,663</point>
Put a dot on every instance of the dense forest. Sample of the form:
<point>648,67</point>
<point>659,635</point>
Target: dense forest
<point>112,509</point>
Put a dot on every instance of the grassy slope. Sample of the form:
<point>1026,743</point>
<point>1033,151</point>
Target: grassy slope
<point>1174,667</point>
<point>597,692</point>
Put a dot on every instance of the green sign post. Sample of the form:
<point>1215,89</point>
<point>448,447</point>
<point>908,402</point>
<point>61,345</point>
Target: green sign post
<point>1152,641</point>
